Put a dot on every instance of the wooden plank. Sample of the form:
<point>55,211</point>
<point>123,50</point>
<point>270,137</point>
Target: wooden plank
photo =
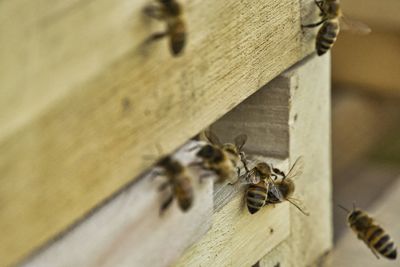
<point>238,238</point>
<point>264,118</point>
<point>378,72</point>
<point>235,232</point>
<point>82,104</point>
<point>128,229</point>
<point>350,251</point>
<point>309,136</point>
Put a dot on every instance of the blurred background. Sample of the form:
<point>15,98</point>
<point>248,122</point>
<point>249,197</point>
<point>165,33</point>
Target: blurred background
<point>366,125</point>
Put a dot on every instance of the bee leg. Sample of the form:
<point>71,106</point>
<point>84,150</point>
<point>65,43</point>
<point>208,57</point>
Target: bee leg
<point>166,203</point>
<point>163,186</point>
<point>314,24</point>
<point>156,36</point>
<point>244,161</point>
<point>319,4</point>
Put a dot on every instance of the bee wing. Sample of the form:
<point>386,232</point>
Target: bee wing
<point>212,138</point>
<point>299,205</point>
<point>251,177</point>
<point>297,168</point>
<point>240,140</point>
<point>273,189</point>
<point>354,26</point>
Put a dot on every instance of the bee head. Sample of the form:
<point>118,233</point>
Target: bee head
<point>358,220</point>
<point>332,8</point>
<point>172,6</point>
<point>287,188</point>
<point>354,216</point>
<point>210,152</point>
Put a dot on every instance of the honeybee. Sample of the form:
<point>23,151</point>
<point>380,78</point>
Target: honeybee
<point>371,233</point>
<point>284,188</point>
<point>331,15</point>
<point>179,181</point>
<point>171,12</point>
<point>260,184</point>
<point>223,159</point>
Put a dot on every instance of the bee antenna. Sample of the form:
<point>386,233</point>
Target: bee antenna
<point>343,208</point>
<point>354,206</point>
<point>302,211</point>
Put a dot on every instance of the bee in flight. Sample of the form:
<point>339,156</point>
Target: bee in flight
<point>331,15</point>
<point>169,11</point>
<point>223,159</point>
<point>284,187</point>
<point>260,179</point>
<point>178,180</point>
<point>371,233</point>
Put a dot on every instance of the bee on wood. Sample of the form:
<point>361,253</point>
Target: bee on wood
<point>285,187</point>
<point>179,181</point>
<point>223,159</point>
<point>260,179</point>
<point>169,11</point>
<point>371,233</point>
<point>331,16</point>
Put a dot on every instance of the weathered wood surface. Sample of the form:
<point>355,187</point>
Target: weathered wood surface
<point>351,252</point>
<point>238,238</point>
<point>309,136</point>
<point>81,102</point>
<point>129,231</point>
<point>304,91</point>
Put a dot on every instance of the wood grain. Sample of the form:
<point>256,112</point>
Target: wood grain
<point>238,238</point>
<point>129,230</point>
<point>309,136</point>
<point>83,102</point>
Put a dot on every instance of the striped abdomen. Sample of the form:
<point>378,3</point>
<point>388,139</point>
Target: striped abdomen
<point>372,234</point>
<point>256,196</point>
<point>326,36</point>
<point>381,242</point>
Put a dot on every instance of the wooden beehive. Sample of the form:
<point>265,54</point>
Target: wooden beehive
<point>83,104</point>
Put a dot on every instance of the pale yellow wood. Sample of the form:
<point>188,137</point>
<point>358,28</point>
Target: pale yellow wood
<point>238,238</point>
<point>82,103</point>
<point>309,136</point>
<point>129,231</point>
<point>305,90</point>
<point>370,62</point>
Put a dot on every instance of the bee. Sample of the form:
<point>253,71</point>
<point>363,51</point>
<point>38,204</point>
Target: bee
<point>371,233</point>
<point>284,188</point>
<point>169,11</point>
<point>223,159</point>
<point>260,183</point>
<point>179,181</point>
<point>331,15</point>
